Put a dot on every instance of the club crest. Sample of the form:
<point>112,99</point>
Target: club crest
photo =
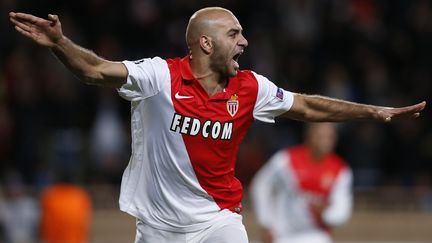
<point>232,105</point>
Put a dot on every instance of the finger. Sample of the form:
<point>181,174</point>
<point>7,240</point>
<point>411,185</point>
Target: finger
<point>419,107</point>
<point>410,109</point>
<point>54,19</point>
<point>23,32</point>
<point>28,17</point>
<point>423,105</point>
<point>21,25</point>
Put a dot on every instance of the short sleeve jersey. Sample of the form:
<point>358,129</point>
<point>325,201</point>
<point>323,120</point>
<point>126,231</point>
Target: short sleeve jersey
<point>184,143</point>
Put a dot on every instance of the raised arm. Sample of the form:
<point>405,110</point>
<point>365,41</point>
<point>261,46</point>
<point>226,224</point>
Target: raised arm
<point>85,64</point>
<point>315,108</point>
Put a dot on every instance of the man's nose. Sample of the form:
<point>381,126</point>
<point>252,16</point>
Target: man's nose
<point>243,42</point>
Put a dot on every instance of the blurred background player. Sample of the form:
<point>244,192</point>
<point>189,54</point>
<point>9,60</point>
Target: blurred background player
<point>304,191</point>
<point>19,211</point>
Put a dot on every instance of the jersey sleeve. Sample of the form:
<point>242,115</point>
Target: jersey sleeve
<point>145,78</point>
<point>264,185</point>
<point>340,201</point>
<point>271,100</point>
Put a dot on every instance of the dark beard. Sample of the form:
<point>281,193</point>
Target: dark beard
<point>218,63</point>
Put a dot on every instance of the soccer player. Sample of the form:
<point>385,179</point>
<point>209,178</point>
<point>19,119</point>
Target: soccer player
<point>302,192</point>
<point>188,118</point>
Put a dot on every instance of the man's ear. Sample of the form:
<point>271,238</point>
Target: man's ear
<point>206,44</point>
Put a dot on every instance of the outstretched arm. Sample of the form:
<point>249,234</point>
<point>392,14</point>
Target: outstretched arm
<point>315,108</point>
<point>85,64</point>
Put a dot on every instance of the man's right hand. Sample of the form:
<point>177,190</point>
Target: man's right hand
<point>45,32</point>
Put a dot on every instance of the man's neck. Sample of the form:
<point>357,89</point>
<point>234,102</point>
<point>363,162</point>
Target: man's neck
<point>211,81</point>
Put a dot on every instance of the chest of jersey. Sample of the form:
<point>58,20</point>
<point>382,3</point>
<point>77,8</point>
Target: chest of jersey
<point>212,129</point>
<point>314,177</point>
<point>222,118</point>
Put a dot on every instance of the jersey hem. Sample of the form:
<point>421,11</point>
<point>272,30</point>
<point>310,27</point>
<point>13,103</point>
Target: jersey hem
<point>222,214</point>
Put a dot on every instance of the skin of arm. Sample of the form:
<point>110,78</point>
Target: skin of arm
<point>85,64</point>
<point>89,67</point>
<point>316,108</point>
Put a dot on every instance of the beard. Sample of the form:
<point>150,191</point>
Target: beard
<point>220,62</point>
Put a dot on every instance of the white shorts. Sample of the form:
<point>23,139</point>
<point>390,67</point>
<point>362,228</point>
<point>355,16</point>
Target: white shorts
<point>310,237</point>
<point>226,230</point>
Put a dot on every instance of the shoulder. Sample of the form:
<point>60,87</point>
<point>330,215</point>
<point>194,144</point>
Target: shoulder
<point>252,76</point>
<point>173,60</point>
<point>246,74</point>
<point>146,61</point>
<point>297,150</point>
<point>246,77</point>
<point>337,162</point>
<point>145,65</point>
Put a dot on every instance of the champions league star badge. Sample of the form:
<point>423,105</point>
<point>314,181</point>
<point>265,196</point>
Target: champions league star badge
<point>279,93</point>
<point>232,105</point>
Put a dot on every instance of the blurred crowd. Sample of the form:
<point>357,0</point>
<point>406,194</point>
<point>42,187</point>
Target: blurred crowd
<point>376,52</point>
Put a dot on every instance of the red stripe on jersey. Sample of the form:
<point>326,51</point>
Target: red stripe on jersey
<point>315,178</point>
<point>211,134</point>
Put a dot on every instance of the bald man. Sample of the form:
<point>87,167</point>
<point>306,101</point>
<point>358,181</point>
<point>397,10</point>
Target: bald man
<point>189,116</point>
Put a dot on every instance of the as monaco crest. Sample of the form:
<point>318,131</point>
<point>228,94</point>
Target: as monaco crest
<point>232,105</point>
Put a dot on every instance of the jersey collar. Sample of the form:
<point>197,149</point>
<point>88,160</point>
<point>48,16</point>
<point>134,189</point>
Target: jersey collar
<point>185,69</point>
<point>231,89</point>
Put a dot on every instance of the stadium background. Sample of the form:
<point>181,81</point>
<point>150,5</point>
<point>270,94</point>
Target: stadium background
<point>376,52</point>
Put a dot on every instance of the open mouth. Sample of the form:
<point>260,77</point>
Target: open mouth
<point>235,59</point>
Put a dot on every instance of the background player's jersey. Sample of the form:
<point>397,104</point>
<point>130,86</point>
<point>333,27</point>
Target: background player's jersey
<point>184,143</point>
<point>283,188</point>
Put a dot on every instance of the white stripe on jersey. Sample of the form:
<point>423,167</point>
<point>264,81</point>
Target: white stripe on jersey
<point>159,169</point>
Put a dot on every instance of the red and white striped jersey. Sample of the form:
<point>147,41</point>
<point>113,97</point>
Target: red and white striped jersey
<point>284,187</point>
<point>184,143</point>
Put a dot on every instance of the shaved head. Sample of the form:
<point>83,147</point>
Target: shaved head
<point>203,22</point>
<point>215,41</point>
